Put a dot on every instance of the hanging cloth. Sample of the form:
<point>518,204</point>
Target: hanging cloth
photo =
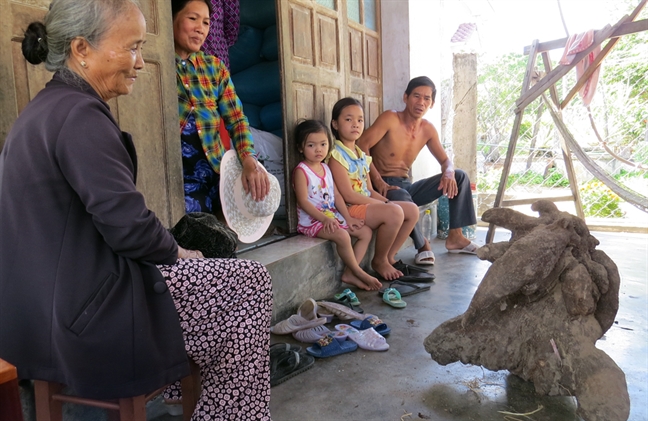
<point>575,44</point>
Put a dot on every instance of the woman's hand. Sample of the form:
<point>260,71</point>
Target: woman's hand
<point>330,225</point>
<point>189,254</point>
<point>354,223</point>
<point>255,180</point>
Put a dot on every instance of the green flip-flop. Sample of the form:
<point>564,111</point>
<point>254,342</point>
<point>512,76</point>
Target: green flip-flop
<point>392,297</point>
<point>347,296</point>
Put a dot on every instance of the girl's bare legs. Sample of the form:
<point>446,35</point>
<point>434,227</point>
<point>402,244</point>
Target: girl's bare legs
<point>360,247</point>
<point>411,216</point>
<point>386,219</point>
<point>353,273</point>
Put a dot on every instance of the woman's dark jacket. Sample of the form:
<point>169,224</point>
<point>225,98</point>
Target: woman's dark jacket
<point>78,249</point>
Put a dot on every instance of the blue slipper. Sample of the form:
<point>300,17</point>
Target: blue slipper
<point>371,321</point>
<point>329,347</point>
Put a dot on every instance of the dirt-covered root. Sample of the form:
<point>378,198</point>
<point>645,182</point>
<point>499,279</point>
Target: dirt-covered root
<point>601,390</point>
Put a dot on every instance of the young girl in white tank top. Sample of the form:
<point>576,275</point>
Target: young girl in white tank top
<point>321,211</point>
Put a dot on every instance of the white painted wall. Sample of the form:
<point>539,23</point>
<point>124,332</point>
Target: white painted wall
<point>426,31</point>
<point>395,27</point>
<point>411,36</point>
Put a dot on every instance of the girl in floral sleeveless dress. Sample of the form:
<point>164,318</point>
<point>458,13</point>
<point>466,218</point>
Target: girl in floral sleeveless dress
<point>321,211</point>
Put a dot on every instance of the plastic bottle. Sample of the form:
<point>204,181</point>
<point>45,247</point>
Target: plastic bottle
<point>426,225</point>
<point>443,211</point>
<point>470,232</point>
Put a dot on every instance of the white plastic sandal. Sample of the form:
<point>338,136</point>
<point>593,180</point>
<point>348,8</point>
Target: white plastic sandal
<point>367,339</point>
<point>311,335</point>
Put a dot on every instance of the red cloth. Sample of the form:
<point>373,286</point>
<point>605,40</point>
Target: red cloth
<point>575,44</point>
<point>224,136</point>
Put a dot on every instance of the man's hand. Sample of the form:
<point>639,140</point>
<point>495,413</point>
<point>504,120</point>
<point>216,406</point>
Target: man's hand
<point>354,223</point>
<point>448,184</point>
<point>255,180</point>
<point>382,188</point>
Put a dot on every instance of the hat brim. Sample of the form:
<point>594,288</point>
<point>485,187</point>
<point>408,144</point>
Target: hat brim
<point>249,229</point>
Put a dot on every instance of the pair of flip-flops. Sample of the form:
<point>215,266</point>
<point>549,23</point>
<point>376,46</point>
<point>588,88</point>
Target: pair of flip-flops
<point>412,273</point>
<point>287,361</point>
<point>405,288</point>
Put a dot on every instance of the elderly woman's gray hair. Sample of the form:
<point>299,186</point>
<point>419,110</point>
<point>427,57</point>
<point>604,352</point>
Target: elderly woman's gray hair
<point>66,20</point>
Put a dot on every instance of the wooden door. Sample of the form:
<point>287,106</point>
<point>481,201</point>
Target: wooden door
<point>150,113</point>
<point>363,64</point>
<point>318,45</point>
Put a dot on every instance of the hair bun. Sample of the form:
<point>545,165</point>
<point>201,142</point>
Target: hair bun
<point>34,45</point>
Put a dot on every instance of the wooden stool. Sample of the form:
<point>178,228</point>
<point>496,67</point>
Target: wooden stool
<point>9,394</point>
<point>49,400</point>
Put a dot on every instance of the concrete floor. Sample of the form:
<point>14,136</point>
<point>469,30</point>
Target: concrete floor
<point>404,383</point>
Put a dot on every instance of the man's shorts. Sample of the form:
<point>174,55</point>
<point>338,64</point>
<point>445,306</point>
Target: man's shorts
<point>358,211</point>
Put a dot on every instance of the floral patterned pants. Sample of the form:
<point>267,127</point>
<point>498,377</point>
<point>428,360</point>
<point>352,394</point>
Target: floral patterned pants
<point>224,306</point>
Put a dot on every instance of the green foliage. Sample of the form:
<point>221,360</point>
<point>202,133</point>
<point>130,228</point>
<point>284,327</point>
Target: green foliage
<point>640,154</point>
<point>599,201</point>
<point>555,179</point>
<point>524,178</point>
<point>623,174</point>
<point>489,181</point>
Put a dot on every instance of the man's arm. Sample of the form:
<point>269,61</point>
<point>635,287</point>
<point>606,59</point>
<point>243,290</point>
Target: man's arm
<point>448,183</point>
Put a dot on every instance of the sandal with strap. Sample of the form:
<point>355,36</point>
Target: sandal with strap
<point>288,364</point>
<point>392,297</point>
<point>329,347</point>
<point>311,335</point>
<point>367,339</point>
<point>352,298</point>
<point>405,288</point>
<point>371,321</point>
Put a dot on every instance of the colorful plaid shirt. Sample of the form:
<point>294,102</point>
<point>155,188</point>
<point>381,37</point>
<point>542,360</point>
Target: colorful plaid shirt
<point>206,90</point>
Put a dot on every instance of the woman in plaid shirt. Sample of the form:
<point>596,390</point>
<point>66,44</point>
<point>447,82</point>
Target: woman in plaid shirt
<point>205,97</point>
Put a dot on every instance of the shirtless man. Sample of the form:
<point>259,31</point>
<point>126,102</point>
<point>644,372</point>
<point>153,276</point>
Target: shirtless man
<point>394,141</point>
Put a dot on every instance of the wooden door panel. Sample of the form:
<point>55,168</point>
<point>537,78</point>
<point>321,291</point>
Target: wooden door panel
<point>373,57</point>
<point>302,43</point>
<point>150,114</point>
<point>304,101</point>
<point>355,52</point>
<point>372,109</point>
<point>330,95</point>
<point>148,130</point>
<point>328,46</point>
<point>29,79</point>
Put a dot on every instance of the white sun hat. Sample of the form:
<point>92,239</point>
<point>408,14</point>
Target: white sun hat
<point>247,217</point>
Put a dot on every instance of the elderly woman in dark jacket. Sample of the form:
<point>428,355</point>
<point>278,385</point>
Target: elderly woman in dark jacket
<point>84,265</point>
